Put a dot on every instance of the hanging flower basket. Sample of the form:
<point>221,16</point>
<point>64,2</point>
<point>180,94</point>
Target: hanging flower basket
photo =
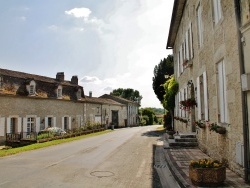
<point>187,104</point>
<point>207,173</point>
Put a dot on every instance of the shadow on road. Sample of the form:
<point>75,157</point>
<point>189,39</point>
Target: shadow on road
<point>156,183</point>
<point>154,133</point>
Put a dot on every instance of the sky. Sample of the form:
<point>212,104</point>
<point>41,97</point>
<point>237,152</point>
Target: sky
<point>108,44</point>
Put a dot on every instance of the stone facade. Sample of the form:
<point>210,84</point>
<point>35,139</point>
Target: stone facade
<point>204,39</point>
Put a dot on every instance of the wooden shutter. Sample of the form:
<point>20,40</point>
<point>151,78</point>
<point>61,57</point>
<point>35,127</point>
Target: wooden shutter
<point>19,125</point>
<point>198,97</point>
<point>54,121</point>
<point>8,125</point>
<point>191,41</point>
<point>24,124</point>
<point>2,126</point>
<point>37,124</point>
<point>46,122</point>
<point>187,46</point>
<point>205,95</point>
<point>62,123</point>
<point>69,123</point>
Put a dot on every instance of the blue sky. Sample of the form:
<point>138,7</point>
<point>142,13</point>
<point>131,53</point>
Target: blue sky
<point>107,43</point>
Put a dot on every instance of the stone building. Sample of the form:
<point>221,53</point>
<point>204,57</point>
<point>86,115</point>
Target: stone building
<point>30,103</point>
<point>132,118</point>
<point>104,111</point>
<point>205,39</point>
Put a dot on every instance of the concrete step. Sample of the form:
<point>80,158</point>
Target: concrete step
<point>173,143</point>
<point>186,139</point>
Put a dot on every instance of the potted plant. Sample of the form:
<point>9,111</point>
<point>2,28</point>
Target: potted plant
<point>216,128</point>
<point>200,124</point>
<point>207,172</point>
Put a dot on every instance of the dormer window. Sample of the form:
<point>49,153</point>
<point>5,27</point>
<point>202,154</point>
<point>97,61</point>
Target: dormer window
<point>59,92</point>
<point>32,87</point>
<point>79,94</point>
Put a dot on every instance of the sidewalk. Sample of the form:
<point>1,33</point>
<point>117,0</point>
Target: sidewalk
<point>178,162</point>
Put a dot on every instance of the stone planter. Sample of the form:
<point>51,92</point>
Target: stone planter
<point>207,177</point>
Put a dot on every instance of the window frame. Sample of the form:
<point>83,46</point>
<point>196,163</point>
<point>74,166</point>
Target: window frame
<point>217,11</point>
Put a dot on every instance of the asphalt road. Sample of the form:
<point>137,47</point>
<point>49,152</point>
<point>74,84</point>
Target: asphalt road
<point>123,158</point>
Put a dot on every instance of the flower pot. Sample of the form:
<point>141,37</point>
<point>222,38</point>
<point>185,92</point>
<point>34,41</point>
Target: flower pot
<point>202,126</point>
<point>207,177</point>
<point>221,130</point>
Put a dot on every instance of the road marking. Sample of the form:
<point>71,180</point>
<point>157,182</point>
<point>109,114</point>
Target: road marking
<point>141,168</point>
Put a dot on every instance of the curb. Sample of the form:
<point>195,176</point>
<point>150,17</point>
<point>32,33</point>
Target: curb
<point>178,177</point>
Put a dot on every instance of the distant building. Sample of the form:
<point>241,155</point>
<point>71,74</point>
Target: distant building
<point>132,118</point>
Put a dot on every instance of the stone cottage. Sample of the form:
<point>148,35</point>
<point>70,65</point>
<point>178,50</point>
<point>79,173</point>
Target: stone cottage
<point>30,103</point>
<point>205,39</point>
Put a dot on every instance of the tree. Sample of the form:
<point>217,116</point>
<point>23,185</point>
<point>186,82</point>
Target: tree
<point>128,93</point>
<point>171,88</point>
<point>150,114</point>
<point>161,71</point>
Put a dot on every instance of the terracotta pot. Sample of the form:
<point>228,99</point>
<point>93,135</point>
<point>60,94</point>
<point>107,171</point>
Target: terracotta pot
<point>221,130</point>
<point>207,177</point>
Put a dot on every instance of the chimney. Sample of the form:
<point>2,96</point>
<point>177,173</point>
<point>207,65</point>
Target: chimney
<point>60,76</point>
<point>90,94</point>
<point>74,80</point>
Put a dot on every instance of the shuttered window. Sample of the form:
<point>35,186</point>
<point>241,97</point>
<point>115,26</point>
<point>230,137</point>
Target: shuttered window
<point>217,11</point>
<point>199,25</point>
<point>222,92</point>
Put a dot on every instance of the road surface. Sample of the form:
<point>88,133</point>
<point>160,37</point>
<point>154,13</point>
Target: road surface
<point>122,158</point>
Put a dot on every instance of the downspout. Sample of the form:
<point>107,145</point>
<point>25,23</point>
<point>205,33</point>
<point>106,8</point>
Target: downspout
<point>243,94</point>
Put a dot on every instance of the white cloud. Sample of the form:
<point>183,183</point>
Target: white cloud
<point>79,13</point>
<point>53,27</point>
<point>90,80</point>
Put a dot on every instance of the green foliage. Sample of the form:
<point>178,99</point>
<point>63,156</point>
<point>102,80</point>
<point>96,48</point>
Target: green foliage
<point>128,93</point>
<point>171,88</point>
<point>158,111</point>
<point>164,69</point>
<point>150,114</point>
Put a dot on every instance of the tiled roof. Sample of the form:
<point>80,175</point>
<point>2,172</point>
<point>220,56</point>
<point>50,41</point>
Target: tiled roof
<point>118,98</point>
<point>32,76</point>
<point>102,100</point>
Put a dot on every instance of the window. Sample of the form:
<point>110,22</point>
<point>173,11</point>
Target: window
<point>79,94</point>
<point>59,92</point>
<point>30,124</point>
<point>190,42</point>
<point>13,125</point>
<point>49,121</point>
<point>199,25</point>
<point>222,93</point>
<point>66,123</point>
<point>217,10</point>
<point>202,97</point>
<point>32,87</point>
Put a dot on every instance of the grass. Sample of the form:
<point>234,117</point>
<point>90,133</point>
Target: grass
<point>12,151</point>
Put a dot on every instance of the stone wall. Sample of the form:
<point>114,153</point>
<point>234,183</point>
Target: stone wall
<point>220,43</point>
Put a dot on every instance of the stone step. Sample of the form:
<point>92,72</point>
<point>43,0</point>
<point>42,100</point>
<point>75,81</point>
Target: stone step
<point>187,135</point>
<point>186,139</point>
<point>173,143</point>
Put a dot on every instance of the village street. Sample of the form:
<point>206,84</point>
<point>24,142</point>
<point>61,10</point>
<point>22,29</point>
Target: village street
<point>122,158</point>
